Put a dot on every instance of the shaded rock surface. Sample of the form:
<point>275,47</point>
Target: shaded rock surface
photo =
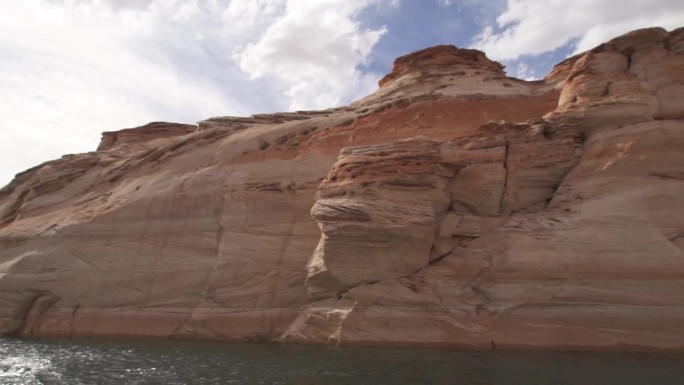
<point>453,207</point>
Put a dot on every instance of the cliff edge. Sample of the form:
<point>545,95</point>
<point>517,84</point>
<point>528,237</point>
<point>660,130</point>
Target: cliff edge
<point>454,206</point>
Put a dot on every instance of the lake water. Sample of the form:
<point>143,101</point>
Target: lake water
<point>73,362</point>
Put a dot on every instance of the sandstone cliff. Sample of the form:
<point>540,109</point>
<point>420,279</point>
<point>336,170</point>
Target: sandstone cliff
<point>453,207</point>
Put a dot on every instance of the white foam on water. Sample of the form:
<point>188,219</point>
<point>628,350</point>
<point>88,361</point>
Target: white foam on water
<point>26,369</point>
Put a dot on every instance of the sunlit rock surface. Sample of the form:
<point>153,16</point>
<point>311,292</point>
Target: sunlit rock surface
<point>453,207</point>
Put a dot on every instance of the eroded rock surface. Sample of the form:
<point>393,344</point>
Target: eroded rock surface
<point>453,207</point>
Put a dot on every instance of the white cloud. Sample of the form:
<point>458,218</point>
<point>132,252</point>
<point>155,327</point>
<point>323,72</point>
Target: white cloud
<point>523,71</point>
<point>71,69</point>
<point>533,27</point>
<point>314,47</point>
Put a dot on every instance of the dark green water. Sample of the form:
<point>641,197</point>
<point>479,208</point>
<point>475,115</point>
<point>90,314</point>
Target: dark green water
<point>173,362</point>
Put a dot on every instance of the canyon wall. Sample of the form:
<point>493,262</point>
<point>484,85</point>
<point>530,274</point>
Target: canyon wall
<point>454,206</point>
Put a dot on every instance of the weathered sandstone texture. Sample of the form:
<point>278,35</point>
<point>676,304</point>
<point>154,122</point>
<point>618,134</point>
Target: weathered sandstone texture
<point>453,207</point>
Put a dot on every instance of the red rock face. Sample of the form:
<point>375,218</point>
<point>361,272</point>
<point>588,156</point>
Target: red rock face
<point>440,57</point>
<point>452,207</point>
<point>155,132</point>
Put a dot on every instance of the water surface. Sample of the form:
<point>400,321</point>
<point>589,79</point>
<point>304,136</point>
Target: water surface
<point>33,361</point>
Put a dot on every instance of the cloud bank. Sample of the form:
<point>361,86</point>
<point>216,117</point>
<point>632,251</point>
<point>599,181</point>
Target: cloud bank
<point>532,27</point>
<point>314,48</point>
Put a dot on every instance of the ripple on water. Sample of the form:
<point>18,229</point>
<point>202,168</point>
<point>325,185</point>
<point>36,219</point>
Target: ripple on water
<point>103,362</point>
<point>28,368</point>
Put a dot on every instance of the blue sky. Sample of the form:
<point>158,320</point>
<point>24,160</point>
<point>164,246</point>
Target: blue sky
<point>411,26</point>
<point>70,69</point>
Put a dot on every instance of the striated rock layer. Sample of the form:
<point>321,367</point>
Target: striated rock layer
<point>453,207</point>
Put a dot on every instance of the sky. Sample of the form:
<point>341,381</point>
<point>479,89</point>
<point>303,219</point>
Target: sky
<point>71,69</point>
